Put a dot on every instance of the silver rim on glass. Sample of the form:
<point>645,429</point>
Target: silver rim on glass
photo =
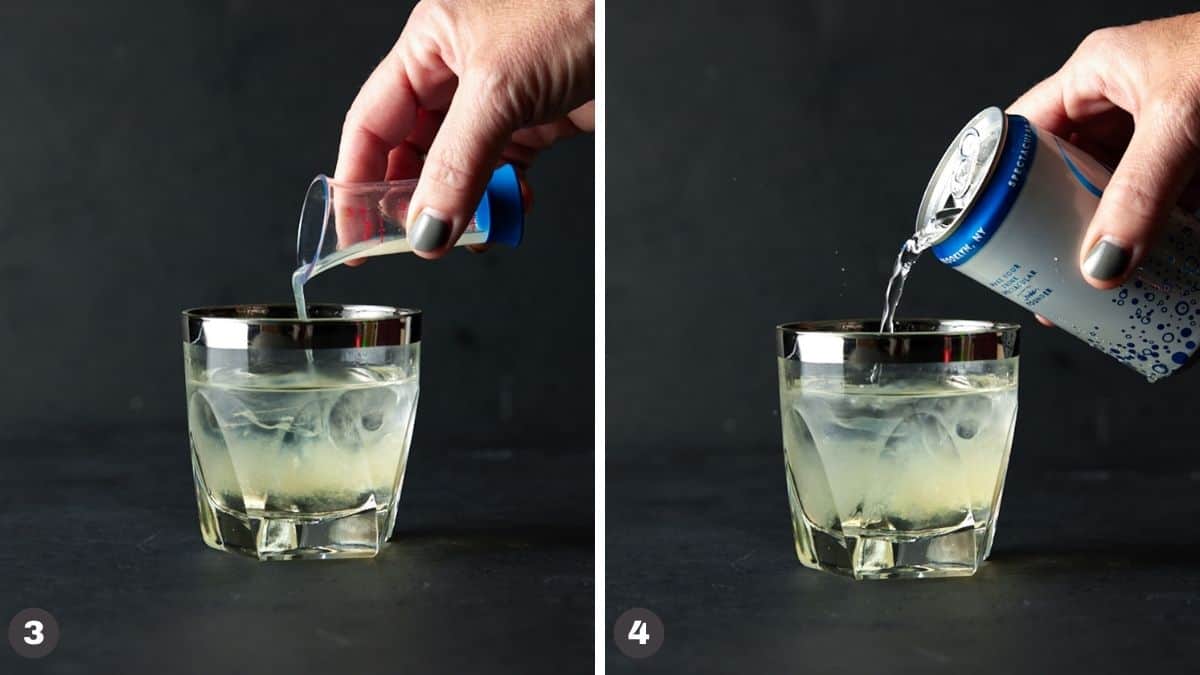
<point>276,326</point>
<point>859,341</point>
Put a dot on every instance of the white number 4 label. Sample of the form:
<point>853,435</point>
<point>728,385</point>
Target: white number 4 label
<point>638,632</point>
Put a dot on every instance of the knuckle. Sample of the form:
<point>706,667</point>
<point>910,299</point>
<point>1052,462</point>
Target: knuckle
<point>1101,40</point>
<point>494,85</point>
<point>1134,198</point>
<point>492,72</point>
<point>420,11</point>
<point>1086,73</point>
<point>1178,114</point>
<point>1103,48</point>
<point>495,67</point>
<point>355,135</point>
<point>448,171</point>
<point>431,11</point>
<point>351,124</point>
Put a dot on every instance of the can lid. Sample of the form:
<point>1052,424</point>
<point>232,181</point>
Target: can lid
<point>501,213</point>
<point>960,175</point>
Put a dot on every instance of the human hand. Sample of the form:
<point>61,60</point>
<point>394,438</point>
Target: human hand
<point>1130,96</point>
<point>468,85</point>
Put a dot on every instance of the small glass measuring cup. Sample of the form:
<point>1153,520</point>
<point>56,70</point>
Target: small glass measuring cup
<point>342,221</point>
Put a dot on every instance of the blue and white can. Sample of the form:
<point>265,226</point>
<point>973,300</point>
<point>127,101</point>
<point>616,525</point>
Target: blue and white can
<point>1008,206</point>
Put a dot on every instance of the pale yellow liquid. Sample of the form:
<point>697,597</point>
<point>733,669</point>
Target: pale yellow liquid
<point>898,460</point>
<point>363,249</point>
<point>309,442</point>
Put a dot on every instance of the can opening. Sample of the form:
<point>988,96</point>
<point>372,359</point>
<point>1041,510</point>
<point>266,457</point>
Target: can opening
<point>964,169</point>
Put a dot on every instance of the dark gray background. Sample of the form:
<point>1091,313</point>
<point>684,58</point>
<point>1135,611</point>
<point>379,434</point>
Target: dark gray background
<point>765,163</point>
<point>154,158</point>
<point>766,160</point>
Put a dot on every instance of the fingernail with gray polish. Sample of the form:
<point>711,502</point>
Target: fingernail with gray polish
<point>429,233</point>
<point>1107,260</point>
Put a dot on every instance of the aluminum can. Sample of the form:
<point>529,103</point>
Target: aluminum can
<point>1008,206</point>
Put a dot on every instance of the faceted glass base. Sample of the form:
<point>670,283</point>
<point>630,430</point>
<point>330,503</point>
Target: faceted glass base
<point>893,555</point>
<point>359,533</point>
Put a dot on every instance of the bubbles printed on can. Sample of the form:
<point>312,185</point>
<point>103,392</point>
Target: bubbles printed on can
<point>1162,309</point>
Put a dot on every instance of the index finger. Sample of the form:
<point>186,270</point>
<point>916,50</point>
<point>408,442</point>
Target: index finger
<point>381,118</point>
<point>1092,83</point>
<point>1044,106</point>
<point>382,115</point>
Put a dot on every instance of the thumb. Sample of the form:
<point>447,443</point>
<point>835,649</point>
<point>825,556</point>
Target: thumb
<point>457,168</point>
<point>1159,162</point>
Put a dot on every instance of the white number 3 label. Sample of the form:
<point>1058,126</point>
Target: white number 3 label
<point>36,636</point>
<point>33,633</point>
<point>637,632</point>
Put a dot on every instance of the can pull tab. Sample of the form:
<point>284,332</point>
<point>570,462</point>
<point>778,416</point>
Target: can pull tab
<point>964,170</point>
<point>959,176</point>
<point>947,213</point>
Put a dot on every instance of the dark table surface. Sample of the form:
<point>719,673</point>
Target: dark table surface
<point>1092,572</point>
<point>490,569</point>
